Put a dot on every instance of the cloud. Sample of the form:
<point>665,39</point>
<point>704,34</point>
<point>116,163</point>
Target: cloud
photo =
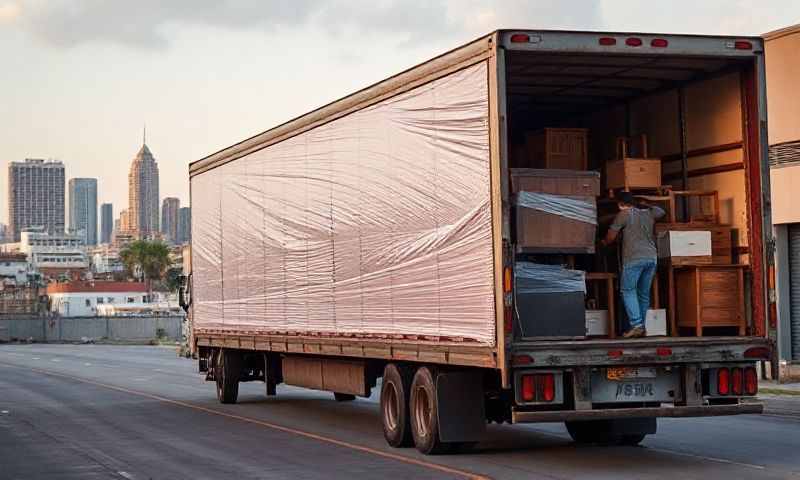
<point>146,23</point>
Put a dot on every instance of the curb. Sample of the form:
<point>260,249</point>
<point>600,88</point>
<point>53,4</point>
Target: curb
<point>779,391</point>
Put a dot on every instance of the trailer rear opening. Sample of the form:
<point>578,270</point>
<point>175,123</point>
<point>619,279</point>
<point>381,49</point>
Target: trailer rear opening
<point>439,230</point>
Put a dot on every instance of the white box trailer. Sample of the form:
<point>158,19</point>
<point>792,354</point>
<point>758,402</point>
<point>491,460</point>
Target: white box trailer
<point>373,237</point>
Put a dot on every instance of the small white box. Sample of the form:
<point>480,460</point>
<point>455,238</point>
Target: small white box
<point>596,323</point>
<point>684,243</point>
<point>655,322</point>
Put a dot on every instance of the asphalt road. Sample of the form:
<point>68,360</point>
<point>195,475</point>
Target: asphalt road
<point>94,411</point>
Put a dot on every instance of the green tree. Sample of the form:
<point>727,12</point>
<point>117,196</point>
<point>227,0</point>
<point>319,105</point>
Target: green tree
<point>146,260</point>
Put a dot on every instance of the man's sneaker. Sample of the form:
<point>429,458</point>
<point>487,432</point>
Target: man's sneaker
<point>634,332</point>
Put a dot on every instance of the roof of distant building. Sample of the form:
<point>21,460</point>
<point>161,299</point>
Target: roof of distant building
<point>96,287</point>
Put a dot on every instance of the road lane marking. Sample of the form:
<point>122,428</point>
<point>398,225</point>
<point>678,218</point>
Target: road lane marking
<point>274,426</point>
<point>710,459</point>
<point>125,475</point>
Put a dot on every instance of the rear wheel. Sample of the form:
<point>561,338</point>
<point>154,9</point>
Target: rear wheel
<point>227,372</point>
<point>425,414</point>
<point>395,390</point>
<point>343,397</point>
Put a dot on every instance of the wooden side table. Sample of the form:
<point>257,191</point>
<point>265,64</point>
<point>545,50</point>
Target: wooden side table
<point>703,296</point>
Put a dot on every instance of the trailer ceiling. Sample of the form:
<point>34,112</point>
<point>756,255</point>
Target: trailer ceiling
<point>544,88</point>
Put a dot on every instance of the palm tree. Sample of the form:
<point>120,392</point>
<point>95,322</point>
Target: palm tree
<point>146,261</point>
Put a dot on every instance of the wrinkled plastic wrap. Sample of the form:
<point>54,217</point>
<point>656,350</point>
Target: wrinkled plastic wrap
<point>377,223</point>
<point>568,207</point>
<point>539,278</point>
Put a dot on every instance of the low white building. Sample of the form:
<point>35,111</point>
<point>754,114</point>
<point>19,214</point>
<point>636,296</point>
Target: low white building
<point>15,270</point>
<point>88,299</point>
<point>105,259</point>
<point>52,254</point>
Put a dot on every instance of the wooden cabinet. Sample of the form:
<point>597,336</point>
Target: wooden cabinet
<point>553,226</point>
<point>563,148</point>
<point>709,296</point>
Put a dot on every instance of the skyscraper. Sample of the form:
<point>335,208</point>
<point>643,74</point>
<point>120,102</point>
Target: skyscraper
<point>169,219</point>
<point>184,225</point>
<point>83,209</point>
<point>143,193</point>
<point>35,196</point>
<point>106,222</point>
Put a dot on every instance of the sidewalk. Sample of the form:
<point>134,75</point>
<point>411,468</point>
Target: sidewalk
<point>771,387</point>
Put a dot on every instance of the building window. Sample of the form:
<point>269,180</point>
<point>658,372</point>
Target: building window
<point>88,302</point>
<point>99,300</point>
<point>110,299</point>
<point>131,299</point>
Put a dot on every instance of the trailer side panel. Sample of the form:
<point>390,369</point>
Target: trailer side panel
<point>376,224</point>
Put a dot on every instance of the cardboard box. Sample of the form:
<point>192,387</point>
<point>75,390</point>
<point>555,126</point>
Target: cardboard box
<point>721,239</point>
<point>655,322</point>
<point>596,323</point>
<point>685,243</point>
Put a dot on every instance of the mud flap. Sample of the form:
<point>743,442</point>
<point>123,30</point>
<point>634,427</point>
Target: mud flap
<point>460,401</point>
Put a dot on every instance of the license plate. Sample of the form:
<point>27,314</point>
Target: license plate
<point>628,373</point>
<point>635,390</point>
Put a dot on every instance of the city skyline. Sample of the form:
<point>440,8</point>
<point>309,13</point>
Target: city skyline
<point>160,60</point>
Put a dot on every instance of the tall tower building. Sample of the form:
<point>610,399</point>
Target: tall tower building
<point>169,219</point>
<point>143,193</point>
<point>106,222</point>
<point>83,209</point>
<point>35,196</point>
<point>184,225</point>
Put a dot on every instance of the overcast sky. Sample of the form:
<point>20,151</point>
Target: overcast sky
<point>80,78</point>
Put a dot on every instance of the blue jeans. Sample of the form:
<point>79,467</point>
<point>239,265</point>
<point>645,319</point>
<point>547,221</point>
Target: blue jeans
<point>637,277</point>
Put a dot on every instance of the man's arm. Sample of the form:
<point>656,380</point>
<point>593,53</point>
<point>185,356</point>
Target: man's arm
<point>613,231</point>
<point>656,212</point>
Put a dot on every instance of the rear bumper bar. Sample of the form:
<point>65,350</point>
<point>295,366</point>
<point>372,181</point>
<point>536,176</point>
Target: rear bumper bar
<point>673,412</point>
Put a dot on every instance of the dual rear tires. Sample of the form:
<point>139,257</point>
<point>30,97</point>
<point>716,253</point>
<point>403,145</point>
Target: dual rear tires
<point>227,372</point>
<point>410,410</point>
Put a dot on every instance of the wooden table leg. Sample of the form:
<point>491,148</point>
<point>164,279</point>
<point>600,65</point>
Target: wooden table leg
<point>699,306</point>
<point>673,324</point>
<point>612,317</point>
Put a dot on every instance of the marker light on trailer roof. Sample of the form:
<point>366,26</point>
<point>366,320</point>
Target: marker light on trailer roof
<point>659,43</point>
<point>633,42</point>
<point>607,41</point>
<point>520,38</point>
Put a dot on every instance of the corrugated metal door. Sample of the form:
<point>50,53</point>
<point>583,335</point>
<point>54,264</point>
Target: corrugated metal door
<point>794,287</point>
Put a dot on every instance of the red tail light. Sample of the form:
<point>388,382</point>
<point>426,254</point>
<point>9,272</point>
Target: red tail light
<point>737,381</point>
<point>521,360</point>
<point>520,38</point>
<point>528,388</point>
<point>659,43</point>
<point>742,45</point>
<point>633,42</point>
<point>615,353</point>
<point>723,381</point>
<point>508,323</point>
<point>750,381</point>
<point>607,41</point>
<point>757,352</point>
<point>548,387</point>
<point>663,351</point>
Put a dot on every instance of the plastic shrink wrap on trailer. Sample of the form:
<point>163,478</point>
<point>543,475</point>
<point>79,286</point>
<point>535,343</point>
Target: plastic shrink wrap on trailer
<point>376,223</point>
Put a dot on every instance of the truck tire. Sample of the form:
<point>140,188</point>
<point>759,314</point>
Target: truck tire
<point>343,397</point>
<point>227,373</point>
<point>395,390</point>
<point>424,411</point>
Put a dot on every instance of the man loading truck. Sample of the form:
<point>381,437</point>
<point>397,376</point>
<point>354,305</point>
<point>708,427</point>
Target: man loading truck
<point>639,258</point>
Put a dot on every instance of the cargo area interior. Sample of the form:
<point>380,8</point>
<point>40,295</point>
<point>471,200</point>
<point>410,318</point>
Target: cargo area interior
<point>672,131</point>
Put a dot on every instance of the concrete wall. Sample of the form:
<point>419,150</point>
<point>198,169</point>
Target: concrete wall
<point>75,329</point>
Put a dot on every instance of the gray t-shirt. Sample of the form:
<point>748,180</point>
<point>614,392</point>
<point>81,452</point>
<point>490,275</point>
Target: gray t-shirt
<point>638,242</point>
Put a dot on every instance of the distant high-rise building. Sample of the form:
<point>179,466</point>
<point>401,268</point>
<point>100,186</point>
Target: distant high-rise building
<point>35,196</point>
<point>143,193</point>
<point>169,219</point>
<point>106,222</point>
<point>184,225</point>
<point>124,222</point>
<point>83,209</point>
<point>3,233</point>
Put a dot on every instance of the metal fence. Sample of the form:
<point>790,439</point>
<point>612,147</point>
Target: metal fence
<point>78,329</point>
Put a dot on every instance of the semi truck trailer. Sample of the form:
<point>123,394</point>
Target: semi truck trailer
<point>372,243</point>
